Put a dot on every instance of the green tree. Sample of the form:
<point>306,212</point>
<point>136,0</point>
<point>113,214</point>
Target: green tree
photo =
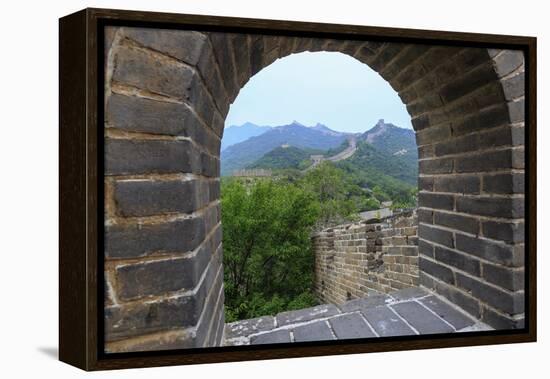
<point>268,258</point>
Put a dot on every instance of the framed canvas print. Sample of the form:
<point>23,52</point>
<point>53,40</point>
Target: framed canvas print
<point>238,189</point>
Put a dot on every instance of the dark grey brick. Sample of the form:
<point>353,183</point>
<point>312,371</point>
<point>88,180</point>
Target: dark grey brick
<point>307,314</point>
<point>440,236</point>
<point>364,302</point>
<point>491,206</point>
<point>508,61</point>
<point>504,183</point>
<point>146,197</point>
<point>464,301</point>
<point>504,231</point>
<point>509,302</point>
<point>500,321</point>
<point>436,270</point>
<point>421,319</point>
<point>181,44</point>
<point>433,134</point>
<point>490,250</point>
<point>277,336</point>
<point>250,326</point>
<point>154,277</point>
<point>482,120</point>
<point>457,145</point>
<point>483,162</point>
<point>514,86</point>
<point>437,201</point>
<point>505,277</point>
<point>467,83</point>
<point>125,321</point>
<point>457,319</point>
<point>222,51</point>
<point>436,166</point>
<point>425,248</point>
<point>460,261</point>
<point>459,184</point>
<point>350,326</point>
<point>150,156</point>
<point>456,221</point>
<point>316,331</point>
<point>409,293</point>
<point>149,116</point>
<point>425,183</point>
<point>146,71</point>
<point>132,241</point>
<point>386,323</point>
<point>425,215</point>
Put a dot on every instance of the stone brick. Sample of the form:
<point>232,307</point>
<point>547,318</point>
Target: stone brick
<point>500,321</point>
<point>386,323</point>
<point>517,110</point>
<point>149,116</point>
<point>505,277</point>
<point>249,326</point>
<point>132,241</point>
<point>409,294</point>
<point>463,300</point>
<point>316,331</point>
<point>434,269</point>
<point>306,314</point>
<point>456,221</point>
<point>508,61</point>
<point>442,237</point>
<point>434,200</point>
<point>514,86</point>
<point>425,215</point>
<point>425,248</point>
<point>467,83</point>
<point>509,302</point>
<point>447,312</point>
<point>504,231</point>
<point>181,44</point>
<point>433,134</point>
<point>460,184</point>
<point>277,336</point>
<point>155,277</point>
<point>425,183</point>
<point>424,321</point>
<point>460,261</point>
<point>457,145</point>
<point>484,162</point>
<point>350,326</point>
<point>493,251</point>
<point>485,119</point>
<point>491,206</point>
<point>149,156</point>
<point>147,71</point>
<point>364,302</point>
<point>435,166</point>
<point>223,53</point>
<point>140,318</point>
<point>146,197</point>
<point>504,183</point>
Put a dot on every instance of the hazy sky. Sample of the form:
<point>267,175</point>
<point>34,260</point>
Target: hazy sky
<point>331,88</point>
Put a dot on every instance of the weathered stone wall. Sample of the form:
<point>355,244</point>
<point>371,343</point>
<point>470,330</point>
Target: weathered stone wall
<point>355,259</point>
<point>167,95</point>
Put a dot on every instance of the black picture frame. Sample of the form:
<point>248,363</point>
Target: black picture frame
<point>81,210</point>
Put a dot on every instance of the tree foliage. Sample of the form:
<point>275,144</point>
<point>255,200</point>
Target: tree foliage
<point>268,258</point>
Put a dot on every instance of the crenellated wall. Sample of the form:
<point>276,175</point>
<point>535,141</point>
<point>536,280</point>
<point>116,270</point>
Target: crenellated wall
<point>354,259</point>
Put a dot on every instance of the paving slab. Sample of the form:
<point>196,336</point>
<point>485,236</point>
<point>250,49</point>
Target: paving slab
<point>248,327</point>
<point>351,325</point>
<point>386,323</point>
<point>277,336</point>
<point>409,293</point>
<point>424,321</point>
<point>365,302</point>
<point>447,312</point>
<point>307,314</point>
<point>316,331</point>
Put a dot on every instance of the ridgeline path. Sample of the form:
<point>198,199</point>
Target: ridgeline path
<point>348,152</point>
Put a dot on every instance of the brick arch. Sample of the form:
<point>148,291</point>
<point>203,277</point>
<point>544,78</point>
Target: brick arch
<point>167,94</point>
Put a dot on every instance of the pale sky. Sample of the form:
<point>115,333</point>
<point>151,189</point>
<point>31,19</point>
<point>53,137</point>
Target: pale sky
<point>331,88</point>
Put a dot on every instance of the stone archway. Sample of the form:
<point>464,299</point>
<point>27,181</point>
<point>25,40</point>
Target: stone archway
<point>167,95</point>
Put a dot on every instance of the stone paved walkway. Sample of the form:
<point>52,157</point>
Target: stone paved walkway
<point>405,312</point>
